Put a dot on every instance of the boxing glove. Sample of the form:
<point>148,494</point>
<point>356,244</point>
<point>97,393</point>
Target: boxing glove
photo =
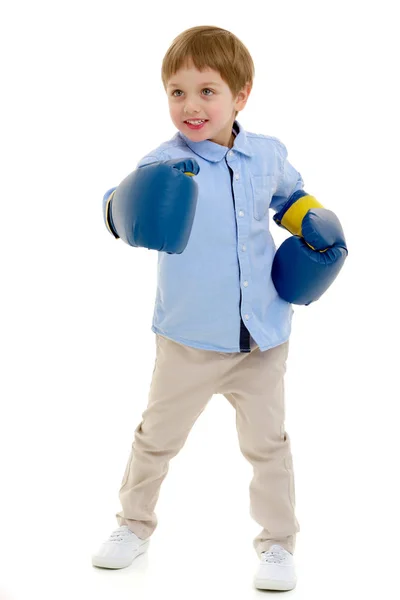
<point>306,264</point>
<point>155,205</point>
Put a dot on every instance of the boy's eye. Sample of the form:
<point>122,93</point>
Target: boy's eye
<point>173,93</point>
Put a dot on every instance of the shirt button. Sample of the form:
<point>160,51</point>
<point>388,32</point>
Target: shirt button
<point>230,153</point>
<point>247,317</point>
<point>236,175</point>
<point>244,248</point>
<point>241,213</point>
<point>245,283</point>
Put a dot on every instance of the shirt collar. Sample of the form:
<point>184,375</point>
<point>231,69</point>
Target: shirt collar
<point>215,152</point>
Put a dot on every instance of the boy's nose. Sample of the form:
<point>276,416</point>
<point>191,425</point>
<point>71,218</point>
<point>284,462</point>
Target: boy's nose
<point>191,110</point>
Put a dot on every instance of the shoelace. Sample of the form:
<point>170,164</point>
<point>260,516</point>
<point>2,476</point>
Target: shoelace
<point>120,534</point>
<point>273,556</point>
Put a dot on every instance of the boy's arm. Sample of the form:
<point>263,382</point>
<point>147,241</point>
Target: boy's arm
<point>301,213</point>
<point>290,201</point>
<point>301,272</point>
<point>289,182</point>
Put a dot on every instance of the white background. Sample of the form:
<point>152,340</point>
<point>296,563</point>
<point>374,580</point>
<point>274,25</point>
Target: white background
<point>82,102</point>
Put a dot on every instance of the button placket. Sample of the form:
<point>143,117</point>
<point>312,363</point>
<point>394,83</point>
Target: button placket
<point>243,261</point>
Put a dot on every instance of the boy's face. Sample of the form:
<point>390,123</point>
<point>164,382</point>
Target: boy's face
<point>194,94</point>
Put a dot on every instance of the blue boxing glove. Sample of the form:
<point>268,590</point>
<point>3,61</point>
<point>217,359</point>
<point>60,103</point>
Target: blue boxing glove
<point>306,264</point>
<point>154,206</point>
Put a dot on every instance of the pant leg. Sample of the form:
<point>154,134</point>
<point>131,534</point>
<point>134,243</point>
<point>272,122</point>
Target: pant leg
<point>255,387</point>
<point>183,382</point>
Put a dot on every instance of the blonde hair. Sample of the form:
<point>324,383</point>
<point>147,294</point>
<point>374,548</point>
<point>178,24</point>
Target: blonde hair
<point>212,47</point>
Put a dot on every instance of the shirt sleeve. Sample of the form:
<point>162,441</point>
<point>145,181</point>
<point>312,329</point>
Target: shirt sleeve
<point>289,180</point>
<point>151,158</point>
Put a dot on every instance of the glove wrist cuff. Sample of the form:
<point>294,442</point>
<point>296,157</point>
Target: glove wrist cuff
<point>109,222</point>
<point>292,214</point>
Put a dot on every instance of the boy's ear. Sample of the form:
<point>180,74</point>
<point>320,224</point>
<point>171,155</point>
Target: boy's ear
<point>247,89</point>
<point>244,93</point>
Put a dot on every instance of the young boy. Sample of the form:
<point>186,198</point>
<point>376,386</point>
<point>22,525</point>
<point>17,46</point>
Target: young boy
<point>220,326</point>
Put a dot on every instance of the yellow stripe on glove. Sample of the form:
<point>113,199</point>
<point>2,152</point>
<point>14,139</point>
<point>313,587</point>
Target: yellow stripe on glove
<point>293,217</point>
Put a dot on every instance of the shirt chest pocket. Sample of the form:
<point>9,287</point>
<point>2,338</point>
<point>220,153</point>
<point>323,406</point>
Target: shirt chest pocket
<point>262,192</point>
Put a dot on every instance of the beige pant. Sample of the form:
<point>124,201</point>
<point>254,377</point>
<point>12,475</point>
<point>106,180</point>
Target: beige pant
<point>184,380</point>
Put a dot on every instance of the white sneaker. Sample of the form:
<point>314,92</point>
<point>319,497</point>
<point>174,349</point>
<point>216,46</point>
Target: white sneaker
<point>119,551</point>
<point>276,570</point>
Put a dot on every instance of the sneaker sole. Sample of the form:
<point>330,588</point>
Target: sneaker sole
<point>107,563</point>
<point>274,584</point>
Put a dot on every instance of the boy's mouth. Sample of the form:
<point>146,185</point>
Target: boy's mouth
<point>197,124</point>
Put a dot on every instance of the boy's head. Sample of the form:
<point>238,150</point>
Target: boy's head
<point>207,73</point>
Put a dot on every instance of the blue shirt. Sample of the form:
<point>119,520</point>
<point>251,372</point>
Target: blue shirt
<point>219,291</point>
